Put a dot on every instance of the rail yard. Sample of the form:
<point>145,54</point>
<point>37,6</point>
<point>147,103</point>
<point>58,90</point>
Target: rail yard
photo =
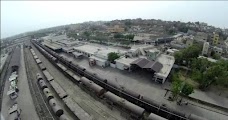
<point>113,61</point>
<point>43,84</point>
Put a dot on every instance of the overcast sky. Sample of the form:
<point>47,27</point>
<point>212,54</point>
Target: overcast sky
<point>22,16</point>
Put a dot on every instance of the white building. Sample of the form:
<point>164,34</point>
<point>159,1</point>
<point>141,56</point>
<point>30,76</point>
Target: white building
<point>171,51</point>
<point>99,54</point>
<point>167,62</point>
<point>124,63</point>
<point>209,59</point>
<point>205,48</point>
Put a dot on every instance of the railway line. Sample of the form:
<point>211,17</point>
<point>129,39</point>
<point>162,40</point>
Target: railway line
<point>40,104</point>
<point>76,95</point>
<point>132,97</point>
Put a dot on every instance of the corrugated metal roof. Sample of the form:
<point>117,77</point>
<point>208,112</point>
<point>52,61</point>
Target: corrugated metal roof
<point>157,67</point>
<point>148,64</point>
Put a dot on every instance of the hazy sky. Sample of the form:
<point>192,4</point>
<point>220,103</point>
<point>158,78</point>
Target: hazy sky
<point>22,16</point>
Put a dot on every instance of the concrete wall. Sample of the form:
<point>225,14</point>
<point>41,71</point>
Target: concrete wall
<point>99,63</point>
<point>113,65</point>
<point>120,66</point>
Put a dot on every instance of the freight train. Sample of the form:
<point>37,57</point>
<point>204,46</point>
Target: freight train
<point>58,111</point>
<point>131,101</point>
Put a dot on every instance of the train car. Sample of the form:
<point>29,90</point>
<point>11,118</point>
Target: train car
<point>89,74</point>
<point>153,116</point>
<point>98,90</point>
<point>132,93</point>
<point>69,72</point>
<point>113,84</point>
<point>63,68</point>
<point>74,78</point>
<point>35,57</point>
<point>64,117</point>
<point>48,94</point>
<point>55,107</point>
<point>175,112</point>
<point>86,82</point>
<point>15,59</point>
<point>195,117</point>
<point>76,109</point>
<point>114,99</point>
<point>58,89</point>
<point>154,103</point>
<point>54,59</point>
<point>42,67</point>
<point>39,77</point>
<point>80,70</point>
<point>135,111</point>
<point>42,84</point>
<point>48,75</point>
<point>38,61</point>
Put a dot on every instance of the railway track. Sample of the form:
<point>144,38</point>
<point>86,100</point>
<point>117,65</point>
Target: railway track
<point>3,76</point>
<point>40,104</point>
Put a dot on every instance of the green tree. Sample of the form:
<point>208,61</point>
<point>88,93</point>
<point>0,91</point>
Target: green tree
<point>128,23</point>
<point>197,23</point>
<point>216,56</point>
<point>176,85</point>
<point>86,33</point>
<point>178,57</point>
<point>130,37</point>
<point>187,54</point>
<point>197,75</point>
<point>176,88</point>
<point>187,89</point>
<point>200,64</point>
<point>112,56</point>
<point>118,35</point>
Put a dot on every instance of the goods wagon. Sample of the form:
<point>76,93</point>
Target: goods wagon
<point>38,61</point>
<point>47,94</point>
<point>76,109</point>
<point>42,67</point>
<point>55,107</point>
<point>58,89</point>
<point>48,75</point>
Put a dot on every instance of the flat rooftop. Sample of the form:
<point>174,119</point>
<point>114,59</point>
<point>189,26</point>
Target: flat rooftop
<point>167,62</point>
<point>87,48</point>
<point>53,45</point>
<point>126,61</point>
<point>101,51</point>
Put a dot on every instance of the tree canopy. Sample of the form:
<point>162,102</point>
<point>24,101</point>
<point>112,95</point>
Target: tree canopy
<point>180,87</point>
<point>112,56</point>
<point>187,54</point>
<point>128,37</point>
<point>207,73</point>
